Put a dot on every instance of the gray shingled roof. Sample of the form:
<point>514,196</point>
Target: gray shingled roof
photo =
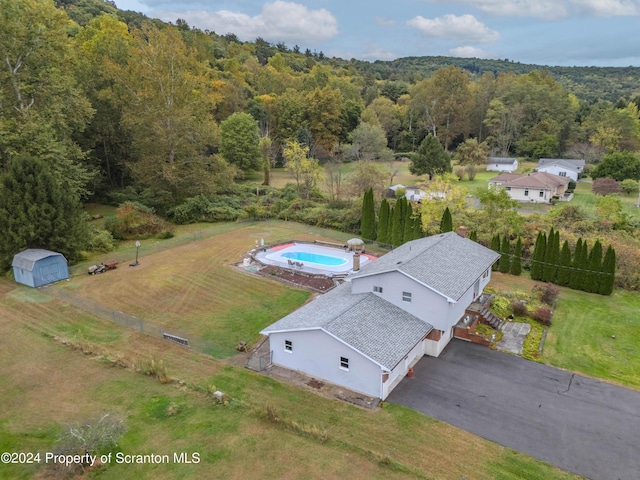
<point>448,263</point>
<point>381,331</point>
<point>26,260</point>
<point>574,164</point>
<point>543,180</point>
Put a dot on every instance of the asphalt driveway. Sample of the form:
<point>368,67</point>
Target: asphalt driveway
<point>577,423</point>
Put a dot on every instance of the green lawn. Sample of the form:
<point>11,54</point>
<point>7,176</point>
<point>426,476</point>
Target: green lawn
<point>586,199</point>
<point>597,335</point>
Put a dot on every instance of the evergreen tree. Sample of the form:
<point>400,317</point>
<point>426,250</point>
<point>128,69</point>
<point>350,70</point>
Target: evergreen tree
<point>550,258</point>
<point>592,283</point>
<point>473,236</point>
<point>538,256</point>
<point>446,223</point>
<point>582,266</point>
<point>396,224</point>
<point>36,212</point>
<point>417,227</point>
<point>368,219</point>
<point>383,222</point>
<point>564,267</point>
<point>516,261</point>
<point>505,255</point>
<point>407,226</point>
<point>495,246</point>
<point>608,272</point>
<point>574,274</point>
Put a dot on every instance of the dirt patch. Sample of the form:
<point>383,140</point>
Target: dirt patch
<point>318,284</point>
<point>313,383</point>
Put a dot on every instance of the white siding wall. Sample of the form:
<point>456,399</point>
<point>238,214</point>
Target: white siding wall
<point>533,197</point>
<point>317,353</point>
<point>425,303</point>
<point>499,167</point>
<point>434,348</point>
<point>400,371</point>
<point>556,170</point>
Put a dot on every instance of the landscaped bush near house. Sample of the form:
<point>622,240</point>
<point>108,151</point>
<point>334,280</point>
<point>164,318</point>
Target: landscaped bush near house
<point>519,309</point>
<point>543,316</point>
<point>548,293</point>
<point>501,307</point>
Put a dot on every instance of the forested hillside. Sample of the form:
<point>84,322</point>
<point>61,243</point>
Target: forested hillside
<point>117,107</point>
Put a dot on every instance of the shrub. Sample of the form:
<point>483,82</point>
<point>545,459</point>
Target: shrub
<point>605,186</point>
<point>543,316</point>
<point>101,241</point>
<point>548,293</point>
<point>572,186</point>
<point>200,209</point>
<point>501,307</point>
<point>471,172</point>
<point>135,220</point>
<point>459,172</point>
<point>519,309</point>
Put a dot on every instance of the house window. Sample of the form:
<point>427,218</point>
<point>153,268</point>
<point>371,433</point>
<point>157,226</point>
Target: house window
<point>288,346</point>
<point>377,289</point>
<point>508,189</point>
<point>526,192</point>
<point>406,296</point>
<point>344,363</point>
<point>563,174</point>
<point>541,193</point>
<point>485,274</point>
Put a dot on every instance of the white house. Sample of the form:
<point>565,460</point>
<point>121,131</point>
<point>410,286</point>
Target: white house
<point>537,187</point>
<point>366,333</point>
<point>412,193</point>
<point>502,164</point>
<point>562,167</point>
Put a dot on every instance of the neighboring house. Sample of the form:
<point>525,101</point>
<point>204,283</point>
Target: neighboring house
<point>562,167</point>
<point>36,267</point>
<point>502,164</point>
<point>537,187</point>
<point>412,193</point>
<point>366,333</point>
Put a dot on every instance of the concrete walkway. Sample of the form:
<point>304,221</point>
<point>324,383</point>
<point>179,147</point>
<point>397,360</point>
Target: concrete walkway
<point>577,423</point>
<point>513,337</point>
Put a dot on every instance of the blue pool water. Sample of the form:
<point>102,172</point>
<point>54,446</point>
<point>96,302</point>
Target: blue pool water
<point>314,258</point>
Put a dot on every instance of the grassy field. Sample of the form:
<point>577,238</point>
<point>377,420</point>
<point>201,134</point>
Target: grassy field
<point>47,385</point>
<point>586,199</point>
<point>582,339</point>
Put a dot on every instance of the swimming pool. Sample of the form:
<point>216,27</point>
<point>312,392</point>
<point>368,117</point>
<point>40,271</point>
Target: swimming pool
<point>325,260</point>
<point>311,258</point>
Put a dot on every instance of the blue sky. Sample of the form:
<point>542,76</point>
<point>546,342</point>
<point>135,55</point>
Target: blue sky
<point>543,32</point>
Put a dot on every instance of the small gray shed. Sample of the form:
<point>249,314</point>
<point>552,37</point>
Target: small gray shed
<point>36,267</point>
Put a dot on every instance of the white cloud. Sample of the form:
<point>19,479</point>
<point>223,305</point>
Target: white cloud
<point>385,22</point>
<point>465,28</point>
<point>470,52</point>
<point>278,22</point>
<point>607,8</point>
<point>552,9</point>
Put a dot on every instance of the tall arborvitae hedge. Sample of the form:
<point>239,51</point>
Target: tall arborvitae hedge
<point>383,222</point>
<point>505,255</point>
<point>446,223</point>
<point>495,246</point>
<point>417,227</point>
<point>564,268</point>
<point>516,261</point>
<point>396,223</point>
<point>581,265</point>
<point>368,220</point>
<point>551,255</point>
<point>608,272</point>
<point>592,283</point>
<point>574,273</point>
<point>538,256</point>
<point>473,236</point>
<point>407,226</point>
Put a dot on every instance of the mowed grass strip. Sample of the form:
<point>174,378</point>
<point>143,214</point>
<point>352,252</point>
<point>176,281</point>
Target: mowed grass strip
<point>581,337</point>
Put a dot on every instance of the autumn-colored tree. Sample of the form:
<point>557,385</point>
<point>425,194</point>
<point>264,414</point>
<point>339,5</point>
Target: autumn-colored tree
<point>307,171</point>
<point>470,152</point>
<point>605,186</point>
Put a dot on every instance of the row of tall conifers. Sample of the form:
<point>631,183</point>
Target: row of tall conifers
<point>583,269</point>
<point>396,224</point>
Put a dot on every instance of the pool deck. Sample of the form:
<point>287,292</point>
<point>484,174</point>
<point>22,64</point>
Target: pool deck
<point>273,255</point>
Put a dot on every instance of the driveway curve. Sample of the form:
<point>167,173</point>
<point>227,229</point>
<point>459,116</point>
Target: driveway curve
<point>577,423</point>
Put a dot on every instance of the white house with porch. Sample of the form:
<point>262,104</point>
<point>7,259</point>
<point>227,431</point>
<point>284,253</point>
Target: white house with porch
<point>366,333</point>
<point>537,187</point>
